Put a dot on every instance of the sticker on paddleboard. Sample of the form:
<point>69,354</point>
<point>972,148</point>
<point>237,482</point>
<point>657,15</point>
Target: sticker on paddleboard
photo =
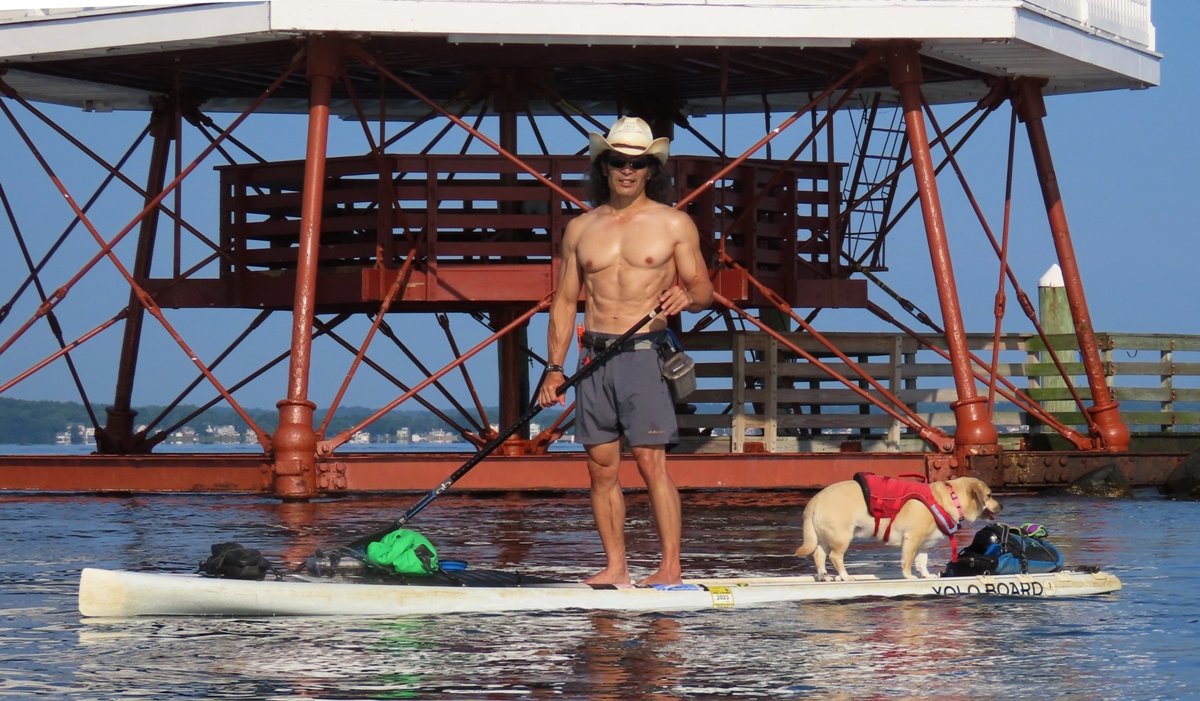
<point>721,596</point>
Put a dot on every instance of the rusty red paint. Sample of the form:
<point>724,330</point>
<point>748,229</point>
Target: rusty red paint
<point>479,288</point>
<point>359,53</point>
<point>913,420</point>
<point>1012,393</point>
<point>114,172</point>
<point>62,351</point>
<point>379,472</point>
<point>444,322</point>
<point>1005,269</point>
<point>513,394</point>
<point>106,247</point>
<point>869,63</point>
<point>117,436</point>
<point>929,433</point>
<point>387,302</point>
<point>1031,109</point>
<point>750,209</point>
<point>143,298</point>
<point>895,175</point>
<point>975,432</point>
<point>295,441</point>
<point>1001,298</point>
<point>328,446</point>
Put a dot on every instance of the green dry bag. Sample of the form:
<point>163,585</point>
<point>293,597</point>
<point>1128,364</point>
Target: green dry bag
<point>406,552</point>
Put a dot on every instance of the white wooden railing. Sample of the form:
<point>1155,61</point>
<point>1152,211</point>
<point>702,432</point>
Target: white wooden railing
<point>754,395</point>
<point>1127,19</point>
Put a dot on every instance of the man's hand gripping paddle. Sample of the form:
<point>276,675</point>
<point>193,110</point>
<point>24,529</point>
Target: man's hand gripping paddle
<point>357,549</point>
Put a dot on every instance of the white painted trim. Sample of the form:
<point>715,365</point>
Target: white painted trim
<point>17,11</point>
<point>1127,19</point>
<point>1139,65</point>
<point>681,22</point>
<point>77,93</point>
<point>1052,278</point>
<point>101,32</point>
<point>113,31</point>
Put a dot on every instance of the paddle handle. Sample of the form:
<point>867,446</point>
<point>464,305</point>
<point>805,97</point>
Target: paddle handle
<point>487,448</point>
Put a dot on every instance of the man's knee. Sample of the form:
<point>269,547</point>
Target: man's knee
<point>649,452</point>
<point>603,468</point>
<point>606,454</point>
<point>651,461</point>
<point>604,462</point>
<point>603,477</point>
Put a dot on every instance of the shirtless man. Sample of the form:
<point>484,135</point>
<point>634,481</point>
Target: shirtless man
<point>629,255</point>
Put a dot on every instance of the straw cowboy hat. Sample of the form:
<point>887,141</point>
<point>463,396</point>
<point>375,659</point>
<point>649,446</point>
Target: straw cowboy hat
<point>632,137</point>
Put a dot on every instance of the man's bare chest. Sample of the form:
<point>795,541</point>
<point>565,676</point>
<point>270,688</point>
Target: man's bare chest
<point>601,250</point>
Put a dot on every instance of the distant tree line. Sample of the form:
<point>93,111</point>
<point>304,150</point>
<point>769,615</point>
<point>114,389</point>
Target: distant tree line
<point>35,421</point>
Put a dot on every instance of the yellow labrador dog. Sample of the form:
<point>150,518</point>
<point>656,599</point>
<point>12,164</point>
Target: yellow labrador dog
<point>922,515</point>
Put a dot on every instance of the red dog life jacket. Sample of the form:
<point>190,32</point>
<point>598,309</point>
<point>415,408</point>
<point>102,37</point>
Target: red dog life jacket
<point>885,496</point>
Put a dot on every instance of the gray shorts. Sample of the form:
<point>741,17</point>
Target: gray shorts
<point>626,396</point>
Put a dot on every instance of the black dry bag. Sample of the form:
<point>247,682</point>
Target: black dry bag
<point>235,562</point>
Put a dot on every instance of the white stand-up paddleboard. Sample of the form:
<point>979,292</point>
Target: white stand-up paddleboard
<point>117,593</point>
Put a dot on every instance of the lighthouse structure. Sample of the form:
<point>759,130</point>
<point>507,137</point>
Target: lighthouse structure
<point>457,201</point>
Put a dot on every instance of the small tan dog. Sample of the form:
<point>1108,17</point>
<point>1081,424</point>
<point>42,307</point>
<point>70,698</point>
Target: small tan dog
<point>839,513</point>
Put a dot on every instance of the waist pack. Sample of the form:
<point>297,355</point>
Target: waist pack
<point>999,548</point>
<point>235,562</point>
<point>404,552</point>
<point>678,369</point>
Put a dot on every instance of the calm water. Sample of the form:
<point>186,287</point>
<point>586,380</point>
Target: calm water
<point>1140,643</point>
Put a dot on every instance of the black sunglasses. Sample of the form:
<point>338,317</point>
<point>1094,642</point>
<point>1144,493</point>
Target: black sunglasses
<point>620,163</point>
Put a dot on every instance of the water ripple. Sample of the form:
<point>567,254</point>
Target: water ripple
<point>1140,643</point>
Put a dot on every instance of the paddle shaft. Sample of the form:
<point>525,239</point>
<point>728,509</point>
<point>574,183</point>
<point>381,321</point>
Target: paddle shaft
<point>487,449</point>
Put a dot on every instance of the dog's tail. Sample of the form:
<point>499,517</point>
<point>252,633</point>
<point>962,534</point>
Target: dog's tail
<point>810,534</point>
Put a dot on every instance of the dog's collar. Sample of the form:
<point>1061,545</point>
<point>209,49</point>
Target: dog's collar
<point>953,495</point>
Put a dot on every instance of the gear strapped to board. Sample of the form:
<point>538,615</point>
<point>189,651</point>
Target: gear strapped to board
<point>404,552</point>
<point>233,561</point>
<point>999,548</point>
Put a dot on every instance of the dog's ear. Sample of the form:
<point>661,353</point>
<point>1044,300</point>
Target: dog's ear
<point>980,493</point>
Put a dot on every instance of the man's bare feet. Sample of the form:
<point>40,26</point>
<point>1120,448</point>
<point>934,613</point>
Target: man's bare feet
<point>661,577</point>
<point>608,576</point>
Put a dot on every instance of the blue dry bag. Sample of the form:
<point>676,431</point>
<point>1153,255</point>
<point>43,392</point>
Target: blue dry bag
<point>999,548</point>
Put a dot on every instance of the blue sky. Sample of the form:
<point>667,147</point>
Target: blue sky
<point>1125,162</point>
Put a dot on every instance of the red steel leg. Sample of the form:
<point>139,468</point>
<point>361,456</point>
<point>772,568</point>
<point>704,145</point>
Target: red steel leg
<point>117,436</point>
<point>514,377</point>
<point>975,433</point>
<point>295,440</point>
<point>328,446</point>
<point>513,367</point>
<point>1030,110</point>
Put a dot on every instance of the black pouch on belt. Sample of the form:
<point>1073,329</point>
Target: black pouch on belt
<point>678,369</point>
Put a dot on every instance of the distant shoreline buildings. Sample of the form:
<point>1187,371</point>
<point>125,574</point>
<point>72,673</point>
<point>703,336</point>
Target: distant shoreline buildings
<point>76,434</point>
<point>79,434</point>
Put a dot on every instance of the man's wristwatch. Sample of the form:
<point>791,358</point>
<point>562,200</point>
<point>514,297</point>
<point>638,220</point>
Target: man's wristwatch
<point>554,368</point>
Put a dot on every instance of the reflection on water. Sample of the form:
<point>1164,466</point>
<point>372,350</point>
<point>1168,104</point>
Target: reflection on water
<point>1140,643</point>
<point>463,448</point>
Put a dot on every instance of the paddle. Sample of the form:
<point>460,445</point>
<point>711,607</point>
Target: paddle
<point>610,350</point>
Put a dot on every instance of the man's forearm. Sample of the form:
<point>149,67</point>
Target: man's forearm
<point>701,293</point>
<point>558,334</point>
